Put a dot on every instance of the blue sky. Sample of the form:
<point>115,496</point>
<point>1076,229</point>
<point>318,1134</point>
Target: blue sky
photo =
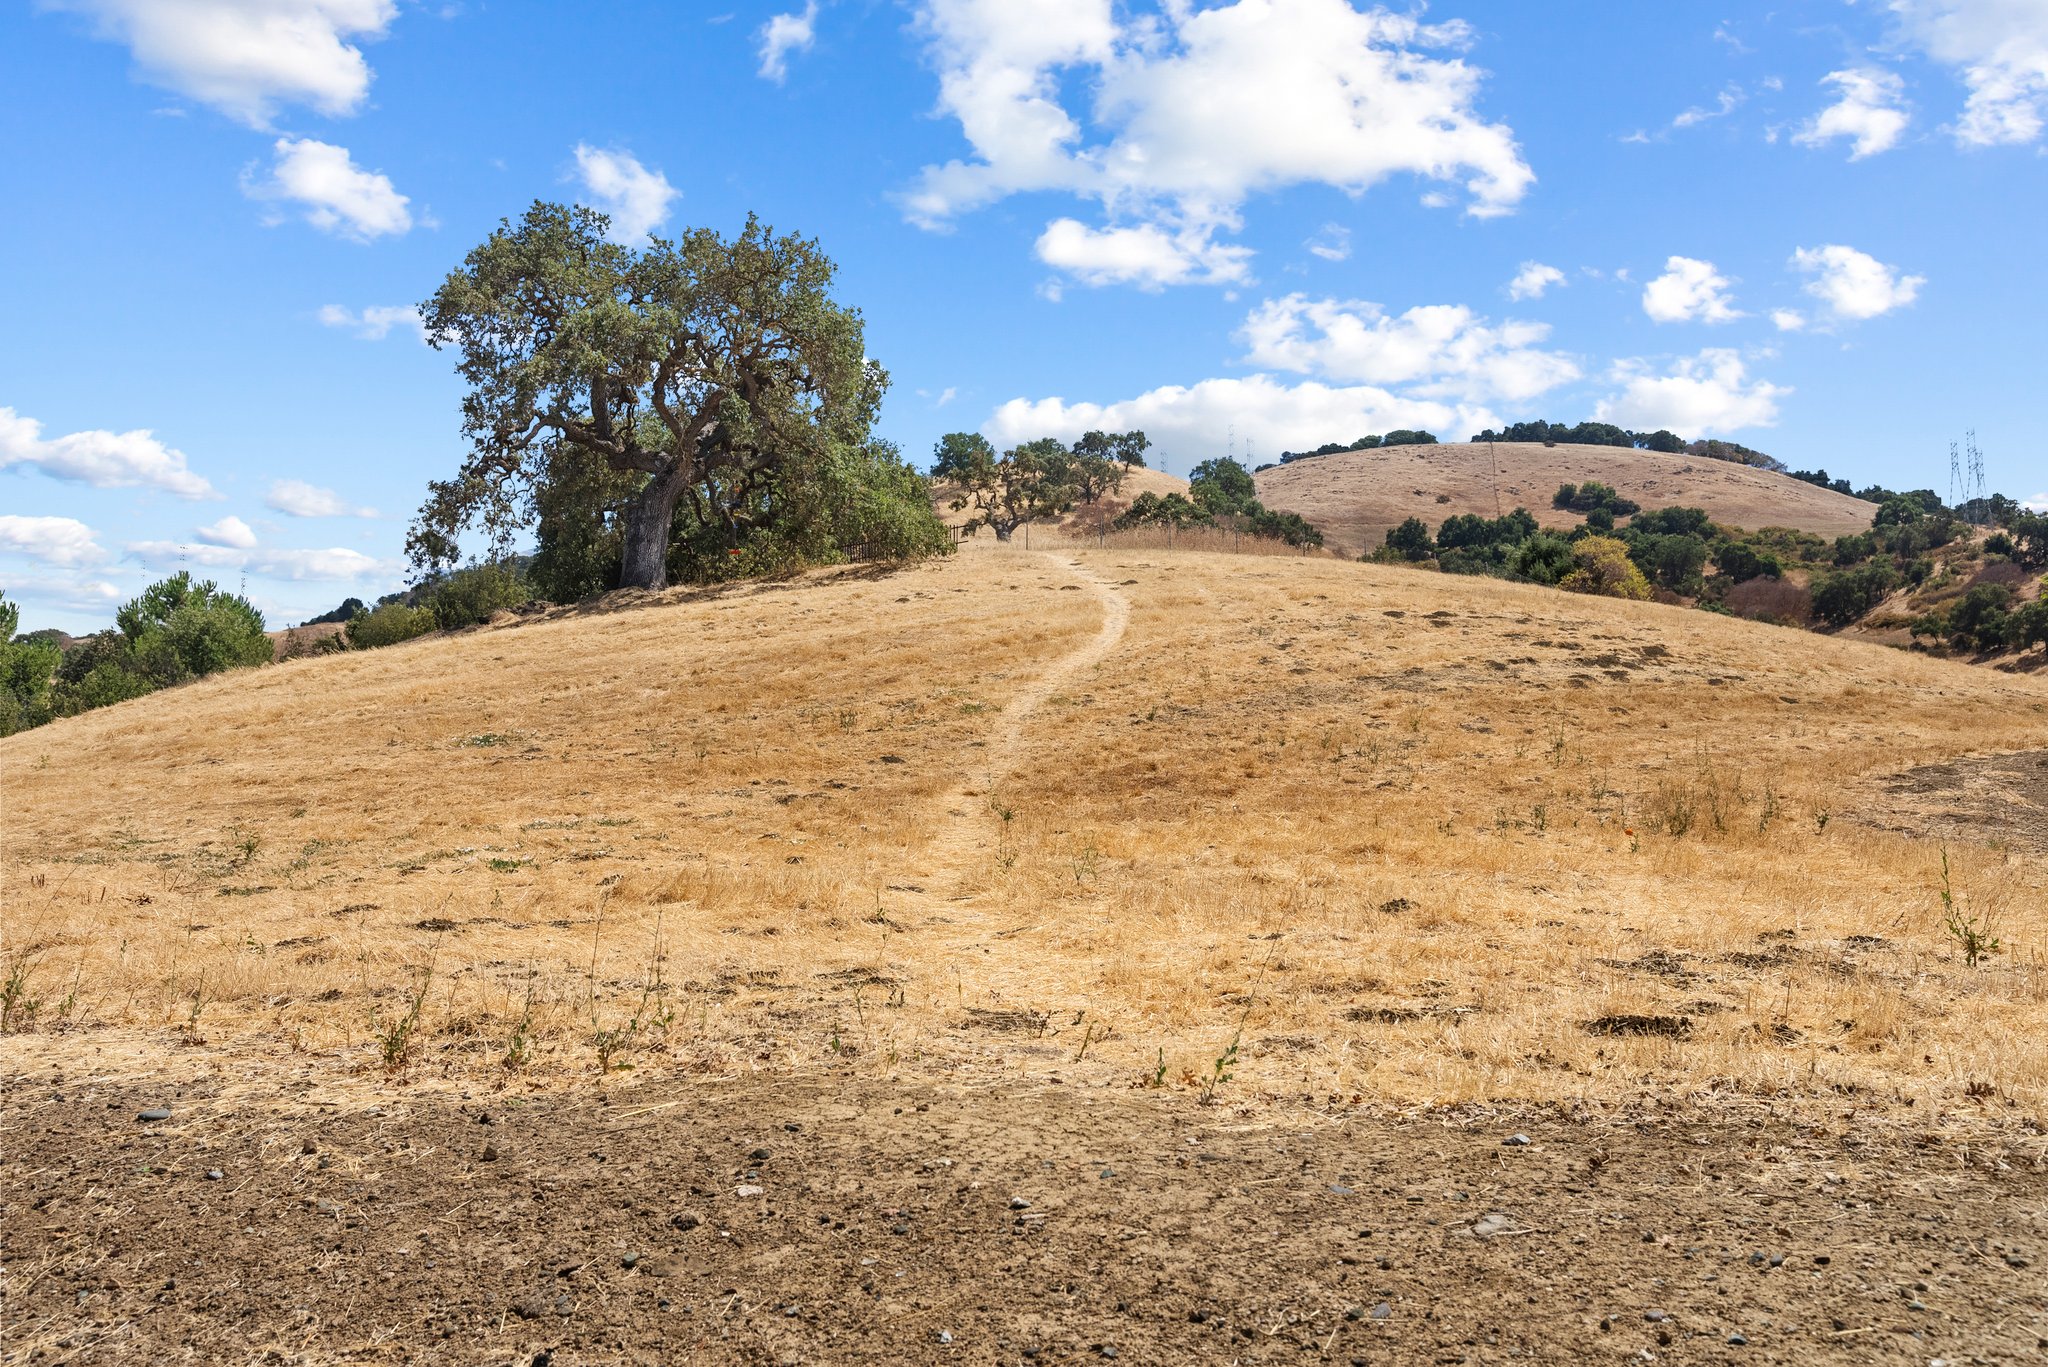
<point>1809,225</point>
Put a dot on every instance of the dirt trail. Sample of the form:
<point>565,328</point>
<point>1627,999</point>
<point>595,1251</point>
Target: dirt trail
<point>965,832</point>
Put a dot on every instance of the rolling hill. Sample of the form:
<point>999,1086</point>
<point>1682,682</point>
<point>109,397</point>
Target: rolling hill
<point>1354,497</point>
<point>1096,937</point>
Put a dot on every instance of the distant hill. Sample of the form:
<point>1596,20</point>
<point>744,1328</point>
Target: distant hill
<point>1354,497</point>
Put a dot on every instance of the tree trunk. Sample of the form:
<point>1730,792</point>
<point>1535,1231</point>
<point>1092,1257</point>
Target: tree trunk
<point>648,517</point>
<point>1003,533</point>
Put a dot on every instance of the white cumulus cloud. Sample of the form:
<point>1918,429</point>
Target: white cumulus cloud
<point>331,192</point>
<point>1439,351</point>
<point>56,540</point>
<point>1788,320</point>
<point>1192,422</point>
<point>1855,285</point>
<point>1695,397</point>
<point>374,324</point>
<point>296,498</point>
<point>248,57</point>
<point>1147,255</point>
<point>2000,49</point>
<point>633,197</point>
<point>1690,291</point>
<point>784,34</point>
<point>1191,111</point>
<point>1534,280</point>
<point>230,531</point>
<point>105,460</point>
<point>1871,113</point>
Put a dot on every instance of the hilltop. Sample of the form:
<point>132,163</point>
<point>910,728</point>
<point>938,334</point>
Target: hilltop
<point>1354,497</point>
<point>1138,481</point>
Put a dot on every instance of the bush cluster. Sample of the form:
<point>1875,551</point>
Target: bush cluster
<point>174,631</point>
<point>1220,494</point>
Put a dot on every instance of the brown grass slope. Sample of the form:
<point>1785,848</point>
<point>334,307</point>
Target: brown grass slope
<point>1325,829</point>
<point>1355,497</point>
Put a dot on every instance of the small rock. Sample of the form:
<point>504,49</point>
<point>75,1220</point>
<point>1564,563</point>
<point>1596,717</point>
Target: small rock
<point>530,1308</point>
<point>1655,1316</point>
<point>2016,1261</point>
<point>489,1155</point>
<point>1777,1260</point>
<point>1106,1174</point>
<point>686,1221</point>
<point>214,1174</point>
<point>759,1155</point>
<point>153,1114</point>
<point>630,1260</point>
<point>564,1305</point>
<point>945,1336</point>
<point>1108,1350</point>
<point>1736,1340</point>
<point>748,1189</point>
<point>1383,1311</point>
<point>1019,1203</point>
<point>899,1229</point>
<point>1515,1141</point>
<point>1491,1224</point>
<point>1916,1305</point>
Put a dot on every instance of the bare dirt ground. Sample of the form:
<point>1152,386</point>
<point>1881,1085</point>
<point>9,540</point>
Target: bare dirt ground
<point>843,1221</point>
<point>1355,497</point>
<point>2001,799</point>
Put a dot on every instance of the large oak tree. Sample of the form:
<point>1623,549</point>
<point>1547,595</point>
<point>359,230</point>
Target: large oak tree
<point>693,370</point>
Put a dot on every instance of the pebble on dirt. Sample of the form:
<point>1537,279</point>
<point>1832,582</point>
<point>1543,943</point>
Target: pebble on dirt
<point>154,1114</point>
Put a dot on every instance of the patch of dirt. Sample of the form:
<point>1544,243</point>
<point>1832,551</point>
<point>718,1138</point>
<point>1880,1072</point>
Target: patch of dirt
<point>1665,1027</point>
<point>848,1221</point>
<point>1982,798</point>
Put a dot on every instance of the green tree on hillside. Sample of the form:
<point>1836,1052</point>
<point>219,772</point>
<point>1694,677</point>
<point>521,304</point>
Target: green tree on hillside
<point>1222,487</point>
<point>715,380</point>
<point>1102,461</point>
<point>1411,540</point>
<point>1025,484</point>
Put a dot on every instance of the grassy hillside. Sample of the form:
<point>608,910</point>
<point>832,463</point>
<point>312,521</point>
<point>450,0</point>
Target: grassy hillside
<point>1355,496</point>
<point>1146,817</point>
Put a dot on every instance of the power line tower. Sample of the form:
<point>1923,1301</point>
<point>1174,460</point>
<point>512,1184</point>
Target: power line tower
<point>1955,476</point>
<point>1973,470</point>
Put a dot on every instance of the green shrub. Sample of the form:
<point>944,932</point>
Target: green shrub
<point>1742,562</point>
<point>1593,496</point>
<point>1411,540</point>
<point>387,624</point>
<point>1841,598</point>
<point>469,597</point>
<point>27,669</point>
<point>178,629</point>
<point>1544,559</point>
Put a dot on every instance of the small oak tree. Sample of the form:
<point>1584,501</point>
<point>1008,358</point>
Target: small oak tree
<point>1024,484</point>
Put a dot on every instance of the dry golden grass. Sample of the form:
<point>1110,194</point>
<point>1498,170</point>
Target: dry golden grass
<point>1099,812</point>
<point>1354,497</point>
